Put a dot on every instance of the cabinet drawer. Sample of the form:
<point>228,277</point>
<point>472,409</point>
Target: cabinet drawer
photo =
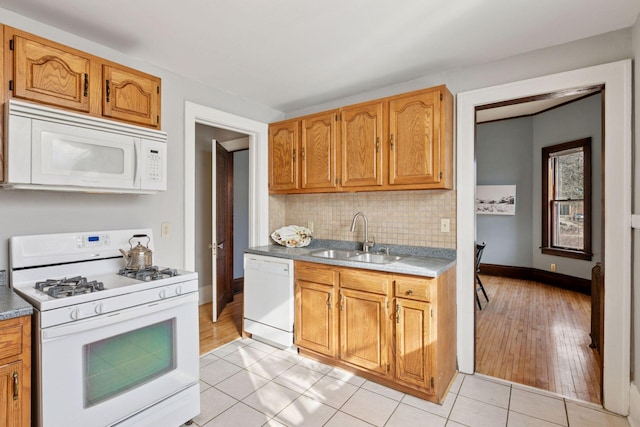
<point>10,338</point>
<point>316,273</point>
<point>365,281</point>
<point>413,287</point>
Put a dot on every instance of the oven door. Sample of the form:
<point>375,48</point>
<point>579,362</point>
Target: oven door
<point>106,369</point>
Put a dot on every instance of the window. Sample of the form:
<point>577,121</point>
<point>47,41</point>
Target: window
<point>566,199</point>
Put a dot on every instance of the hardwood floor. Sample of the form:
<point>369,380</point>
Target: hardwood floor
<point>226,329</point>
<point>537,335</point>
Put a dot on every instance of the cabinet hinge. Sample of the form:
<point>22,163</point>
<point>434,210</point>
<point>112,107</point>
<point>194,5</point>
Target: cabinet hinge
<point>158,89</point>
<point>388,367</point>
<point>431,313</point>
<point>431,382</point>
<point>440,97</point>
<point>440,175</point>
<point>11,44</point>
<point>157,119</point>
<point>11,85</point>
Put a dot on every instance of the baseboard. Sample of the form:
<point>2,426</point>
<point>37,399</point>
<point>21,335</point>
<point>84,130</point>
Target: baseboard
<point>634,406</point>
<point>563,281</point>
<point>238,285</point>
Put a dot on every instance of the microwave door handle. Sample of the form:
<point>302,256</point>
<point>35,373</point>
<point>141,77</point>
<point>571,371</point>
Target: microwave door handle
<point>137,158</point>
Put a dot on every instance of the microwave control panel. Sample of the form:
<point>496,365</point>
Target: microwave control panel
<point>154,165</point>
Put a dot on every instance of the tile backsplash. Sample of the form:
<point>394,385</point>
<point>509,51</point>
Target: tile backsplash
<point>395,217</point>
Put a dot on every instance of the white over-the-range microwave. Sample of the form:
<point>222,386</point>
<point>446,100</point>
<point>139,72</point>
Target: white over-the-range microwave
<point>52,149</point>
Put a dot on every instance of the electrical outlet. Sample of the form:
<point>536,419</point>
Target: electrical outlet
<point>165,229</point>
<point>445,225</point>
<point>310,225</point>
<point>553,267</point>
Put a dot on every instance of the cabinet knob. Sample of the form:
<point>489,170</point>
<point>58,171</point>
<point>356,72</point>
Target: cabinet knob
<point>410,292</point>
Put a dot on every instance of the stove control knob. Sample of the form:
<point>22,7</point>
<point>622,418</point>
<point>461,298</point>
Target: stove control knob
<point>99,308</point>
<point>75,313</point>
<point>163,293</point>
<point>179,290</point>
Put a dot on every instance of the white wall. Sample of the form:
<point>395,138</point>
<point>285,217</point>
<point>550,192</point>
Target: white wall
<point>635,307</point>
<point>31,212</point>
<point>600,49</point>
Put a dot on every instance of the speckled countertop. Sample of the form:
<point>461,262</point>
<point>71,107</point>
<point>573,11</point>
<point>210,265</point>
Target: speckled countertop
<point>419,261</point>
<point>11,305</point>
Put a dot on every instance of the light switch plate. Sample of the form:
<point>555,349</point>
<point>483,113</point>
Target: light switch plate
<point>165,229</point>
<point>445,225</point>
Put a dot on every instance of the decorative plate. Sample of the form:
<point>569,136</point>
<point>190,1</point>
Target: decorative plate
<point>292,236</point>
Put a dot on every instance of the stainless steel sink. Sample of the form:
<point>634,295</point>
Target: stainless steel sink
<point>377,258</point>
<point>353,255</point>
<point>336,253</point>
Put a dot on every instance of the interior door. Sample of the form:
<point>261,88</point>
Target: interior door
<point>223,230</point>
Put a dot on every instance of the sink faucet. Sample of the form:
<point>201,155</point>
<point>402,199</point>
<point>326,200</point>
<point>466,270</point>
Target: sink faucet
<point>366,244</point>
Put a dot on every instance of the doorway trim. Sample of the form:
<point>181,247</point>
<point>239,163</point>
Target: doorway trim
<point>616,77</point>
<point>258,173</point>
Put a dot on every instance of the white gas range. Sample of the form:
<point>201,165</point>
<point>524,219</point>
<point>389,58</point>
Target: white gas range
<point>112,346</point>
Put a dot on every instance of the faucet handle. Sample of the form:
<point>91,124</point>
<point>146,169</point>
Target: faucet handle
<point>383,250</point>
<point>368,244</point>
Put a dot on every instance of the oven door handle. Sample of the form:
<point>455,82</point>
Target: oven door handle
<point>117,317</point>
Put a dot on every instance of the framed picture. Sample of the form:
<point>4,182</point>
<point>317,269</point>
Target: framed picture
<point>496,199</point>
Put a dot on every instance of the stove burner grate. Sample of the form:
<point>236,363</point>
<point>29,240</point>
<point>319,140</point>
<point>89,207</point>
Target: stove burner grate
<point>148,274</point>
<point>58,288</point>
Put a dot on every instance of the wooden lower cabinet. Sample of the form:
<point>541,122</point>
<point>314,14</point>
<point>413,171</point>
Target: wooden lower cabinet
<point>409,345</point>
<point>315,317</point>
<point>15,372</point>
<point>363,330</point>
<point>413,343</point>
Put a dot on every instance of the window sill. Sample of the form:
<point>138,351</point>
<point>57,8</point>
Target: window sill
<point>587,256</point>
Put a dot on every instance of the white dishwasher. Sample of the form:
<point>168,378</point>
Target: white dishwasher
<point>268,299</point>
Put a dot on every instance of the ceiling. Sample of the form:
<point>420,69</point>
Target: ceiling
<point>294,54</point>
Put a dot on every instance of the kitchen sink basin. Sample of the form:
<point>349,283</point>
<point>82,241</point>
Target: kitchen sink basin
<point>377,258</point>
<point>336,253</point>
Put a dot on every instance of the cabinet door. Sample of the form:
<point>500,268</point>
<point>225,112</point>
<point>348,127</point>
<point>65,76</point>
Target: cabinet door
<point>414,139</point>
<point>283,156</point>
<point>11,395</point>
<point>361,144</point>
<point>318,156</point>
<point>131,96</point>
<point>315,319</point>
<point>413,357</point>
<point>46,73</point>
<point>363,330</point>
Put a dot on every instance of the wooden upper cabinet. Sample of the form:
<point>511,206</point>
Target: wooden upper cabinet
<point>402,142</point>
<point>45,72</point>
<point>283,156</point>
<point>414,139</point>
<point>361,141</point>
<point>131,96</point>
<point>51,73</point>
<point>318,155</point>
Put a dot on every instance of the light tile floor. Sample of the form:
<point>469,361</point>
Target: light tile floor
<point>248,383</point>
